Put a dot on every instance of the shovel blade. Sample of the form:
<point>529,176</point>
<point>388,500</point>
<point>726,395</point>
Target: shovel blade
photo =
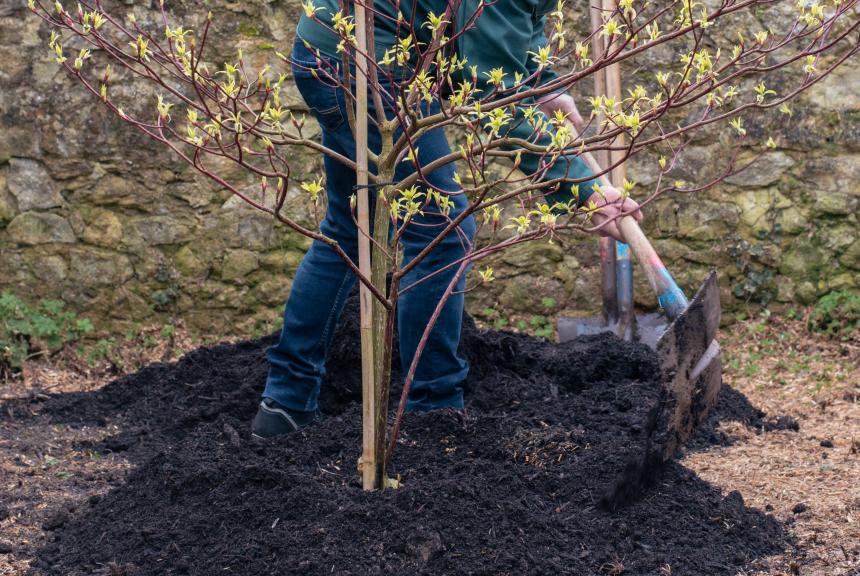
<point>570,328</point>
<point>691,376</point>
<point>689,360</point>
<point>691,370</point>
<point>647,328</point>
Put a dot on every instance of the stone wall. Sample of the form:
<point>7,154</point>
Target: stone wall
<point>94,213</point>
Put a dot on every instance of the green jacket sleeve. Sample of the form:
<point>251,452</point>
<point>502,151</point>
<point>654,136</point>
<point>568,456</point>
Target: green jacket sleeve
<point>502,37</point>
<point>538,41</point>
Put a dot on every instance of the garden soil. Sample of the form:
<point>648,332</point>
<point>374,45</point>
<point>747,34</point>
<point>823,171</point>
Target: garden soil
<point>521,482</point>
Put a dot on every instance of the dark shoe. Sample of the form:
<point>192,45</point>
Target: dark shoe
<point>272,420</point>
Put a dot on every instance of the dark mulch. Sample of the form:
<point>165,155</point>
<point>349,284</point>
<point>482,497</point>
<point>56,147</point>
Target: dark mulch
<point>515,485</point>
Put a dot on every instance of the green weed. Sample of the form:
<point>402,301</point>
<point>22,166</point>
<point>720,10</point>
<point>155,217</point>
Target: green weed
<point>837,314</point>
<point>28,331</point>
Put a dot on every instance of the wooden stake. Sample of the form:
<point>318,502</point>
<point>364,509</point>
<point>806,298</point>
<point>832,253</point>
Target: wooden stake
<point>608,281</point>
<point>597,47</point>
<point>624,267</point>
<point>613,90</point>
<point>369,464</point>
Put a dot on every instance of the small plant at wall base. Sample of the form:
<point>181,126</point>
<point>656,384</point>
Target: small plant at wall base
<point>538,324</point>
<point>512,159</point>
<point>838,315</point>
<point>30,331</point>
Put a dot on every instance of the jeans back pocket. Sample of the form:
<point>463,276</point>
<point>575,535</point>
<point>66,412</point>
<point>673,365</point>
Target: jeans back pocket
<point>317,88</point>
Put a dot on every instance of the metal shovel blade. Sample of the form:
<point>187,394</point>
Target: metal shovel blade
<point>690,379</point>
<point>690,370</point>
<point>688,357</point>
<point>647,328</point>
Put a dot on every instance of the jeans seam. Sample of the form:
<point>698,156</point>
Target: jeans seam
<point>328,323</point>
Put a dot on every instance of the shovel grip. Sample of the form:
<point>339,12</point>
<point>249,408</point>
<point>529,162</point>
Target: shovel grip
<point>669,294</point>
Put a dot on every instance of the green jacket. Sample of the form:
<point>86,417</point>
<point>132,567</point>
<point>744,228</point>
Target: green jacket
<point>502,37</point>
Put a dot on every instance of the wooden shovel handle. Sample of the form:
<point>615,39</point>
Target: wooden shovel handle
<point>669,294</point>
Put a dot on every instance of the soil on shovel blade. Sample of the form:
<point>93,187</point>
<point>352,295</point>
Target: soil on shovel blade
<point>515,484</point>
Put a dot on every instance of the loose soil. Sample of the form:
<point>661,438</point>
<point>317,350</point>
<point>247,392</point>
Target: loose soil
<point>515,484</point>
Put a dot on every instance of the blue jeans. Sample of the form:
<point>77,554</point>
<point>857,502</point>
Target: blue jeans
<point>323,281</point>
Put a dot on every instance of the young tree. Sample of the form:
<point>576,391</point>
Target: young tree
<point>513,162</point>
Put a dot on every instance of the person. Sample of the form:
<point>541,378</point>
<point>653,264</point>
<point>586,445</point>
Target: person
<point>502,36</point>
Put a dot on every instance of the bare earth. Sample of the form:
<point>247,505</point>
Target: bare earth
<point>810,479</point>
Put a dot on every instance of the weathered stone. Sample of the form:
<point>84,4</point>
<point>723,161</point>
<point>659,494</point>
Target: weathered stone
<point>754,206</point>
<point>274,292</point>
<point>159,230</point>
<point>663,220</point>
<point>118,190</point>
<point>253,193</point>
<point>791,221</point>
<point>803,261</point>
<point>843,281</point>
<point>5,151</point>
<point>78,223</point>
<point>221,295</point>
<point>150,264</point>
<point>691,276</point>
<point>838,236</point>
<point>851,256</point>
<point>104,229</point>
<point>44,70</point>
<point>570,262</point>
<point>760,209</point>
<point>48,268</point>
<point>698,164</point>
<point>8,206</point>
<point>18,140</point>
<point>32,186</point>
<point>211,320</point>
<point>31,228</point>
<point>567,271</point>
<point>282,261</point>
<point>645,168</point>
<point>254,231</point>
<point>188,264</point>
<point>714,255</point>
<point>671,250</point>
<point>785,290</point>
<point>834,202</point>
<point>779,17</point>
<point>764,171</point>
<point>13,269</point>
<point>127,305</point>
<point>706,220</point>
<point>238,263</point>
<point>525,293</point>
<point>100,268</point>
<point>838,90</point>
<point>533,254</point>
<point>833,183</point>
<point>196,194</point>
<point>806,292</point>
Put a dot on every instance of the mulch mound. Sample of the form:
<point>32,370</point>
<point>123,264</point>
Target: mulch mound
<point>516,484</point>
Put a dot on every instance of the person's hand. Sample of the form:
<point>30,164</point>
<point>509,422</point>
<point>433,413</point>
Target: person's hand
<point>549,103</point>
<point>611,203</point>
